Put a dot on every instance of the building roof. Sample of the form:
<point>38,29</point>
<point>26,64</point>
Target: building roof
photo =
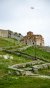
<point>32,36</point>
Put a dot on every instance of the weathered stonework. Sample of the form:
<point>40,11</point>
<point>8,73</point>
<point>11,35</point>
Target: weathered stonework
<point>31,39</point>
<point>10,34</point>
<point>5,33</point>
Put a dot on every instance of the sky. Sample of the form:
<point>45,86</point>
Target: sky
<point>17,15</point>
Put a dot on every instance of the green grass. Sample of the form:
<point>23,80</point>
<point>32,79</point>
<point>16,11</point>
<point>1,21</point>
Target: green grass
<point>44,72</point>
<point>19,59</point>
<point>7,42</point>
<point>24,82</point>
<point>39,53</point>
<point>16,59</point>
<point>4,42</point>
<point>10,81</point>
<point>4,63</point>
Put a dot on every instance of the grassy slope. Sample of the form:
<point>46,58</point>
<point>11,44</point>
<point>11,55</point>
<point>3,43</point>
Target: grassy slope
<point>20,82</point>
<point>24,82</point>
<point>39,52</point>
<point>7,42</point>
<point>44,72</point>
<point>4,42</point>
<point>4,63</point>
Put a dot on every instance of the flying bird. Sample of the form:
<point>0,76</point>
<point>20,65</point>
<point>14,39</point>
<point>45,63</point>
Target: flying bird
<point>32,7</point>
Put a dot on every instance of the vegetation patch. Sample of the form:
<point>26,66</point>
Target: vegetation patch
<point>26,82</point>
<point>39,52</point>
<point>44,72</point>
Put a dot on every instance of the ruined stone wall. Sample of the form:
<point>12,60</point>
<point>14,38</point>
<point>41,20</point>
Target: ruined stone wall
<point>3,33</point>
<point>6,33</point>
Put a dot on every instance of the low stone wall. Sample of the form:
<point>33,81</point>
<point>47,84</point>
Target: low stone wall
<point>40,67</point>
<point>27,64</point>
<point>22,69</point>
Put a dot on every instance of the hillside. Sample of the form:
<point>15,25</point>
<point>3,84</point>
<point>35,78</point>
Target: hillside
<point>39,51</point>
<point>46,48</point>
<point>12,80</point>
<point>8,42</point>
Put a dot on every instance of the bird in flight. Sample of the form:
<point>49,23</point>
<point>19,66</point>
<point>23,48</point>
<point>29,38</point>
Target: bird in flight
<point>32,7</point>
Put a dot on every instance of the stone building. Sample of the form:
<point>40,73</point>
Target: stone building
<point>6,33</point>
<point>31,39</point>
<point>10,34</point>
<point>17,36</point>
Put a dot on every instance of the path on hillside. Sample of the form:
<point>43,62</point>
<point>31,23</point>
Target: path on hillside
<point>24,48</point>
<point>34,75</point>
<point>20,53</point>
<point>41,76</point>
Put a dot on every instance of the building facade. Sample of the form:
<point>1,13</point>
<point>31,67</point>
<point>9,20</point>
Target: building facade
<point>10,34</point>
<point>31,39</point>
<point>17,36</point>
<point>5,33</point>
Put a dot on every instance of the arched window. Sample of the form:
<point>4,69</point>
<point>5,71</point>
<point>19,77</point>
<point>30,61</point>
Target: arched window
<point>33,43</point>
<point>26,43</point>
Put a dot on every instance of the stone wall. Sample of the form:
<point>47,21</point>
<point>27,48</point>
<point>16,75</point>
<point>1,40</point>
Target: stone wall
<point>5,33</point>
<point>10,34</point>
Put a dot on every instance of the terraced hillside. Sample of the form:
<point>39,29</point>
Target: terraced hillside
<point>40,52</point>
<point>9,80</point>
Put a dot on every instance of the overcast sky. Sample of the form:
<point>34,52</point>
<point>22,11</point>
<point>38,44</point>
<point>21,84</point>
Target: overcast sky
<point>18,16</point>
